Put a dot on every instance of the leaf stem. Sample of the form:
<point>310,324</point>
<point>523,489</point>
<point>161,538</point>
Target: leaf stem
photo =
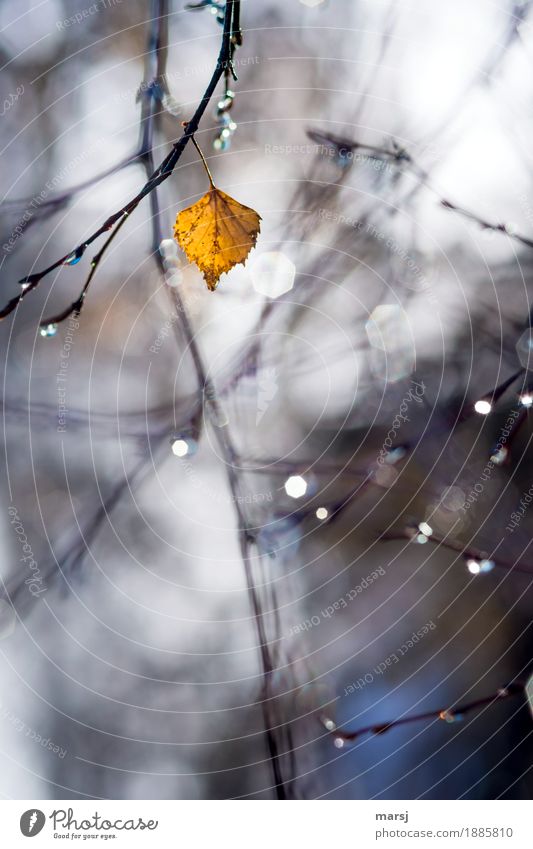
<point>161,173</point>
<point>202,157</point>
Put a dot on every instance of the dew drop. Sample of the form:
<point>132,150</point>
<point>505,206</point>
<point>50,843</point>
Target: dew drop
<point>473,566</point>
<point>219,417</point>
<point>174,278</point>
<point>221,144</point>
<point>168,248</point>
<point>453,498</point>
<point>75,256</point>
<point>396,454</point>
<point>524,349</point>
<point>295,486</point>
<point>500,456</point>
<point>272,273</point>
<point>225,103</point>
<point>483,407</point>
<point>179,447</point>
<point>385,476</point>
<point>172,262</point>
<point>183,446</point>
<point>447,716</point>
<point>48,330</point>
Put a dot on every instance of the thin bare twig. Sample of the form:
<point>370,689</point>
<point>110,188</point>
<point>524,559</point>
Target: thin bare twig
<point>161,173</point>
<point>448,714</point>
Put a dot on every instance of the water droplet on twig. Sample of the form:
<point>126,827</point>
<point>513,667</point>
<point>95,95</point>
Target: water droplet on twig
<point>75,256</point>
<point>48,330</point>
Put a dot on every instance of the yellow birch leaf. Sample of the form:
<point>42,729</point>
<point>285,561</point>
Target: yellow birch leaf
<point>217,232</point>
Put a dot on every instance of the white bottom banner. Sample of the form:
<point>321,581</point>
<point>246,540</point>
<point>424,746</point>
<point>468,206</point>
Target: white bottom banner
<point>262,824</point>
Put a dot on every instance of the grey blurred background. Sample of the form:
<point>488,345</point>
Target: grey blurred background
<point>134,672</point>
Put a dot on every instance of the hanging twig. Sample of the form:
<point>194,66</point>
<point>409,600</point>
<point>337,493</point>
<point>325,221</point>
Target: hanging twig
<point>467,552</point>
<point>447,714</point>
<point>162,172</point>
